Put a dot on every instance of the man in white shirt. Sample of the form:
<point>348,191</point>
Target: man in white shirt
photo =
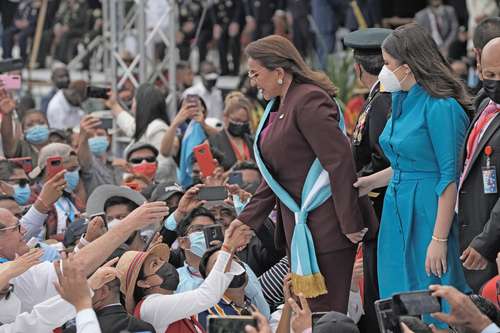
<point>207,90</point>
<point>36,284</point>
<point>64,110</point>
<point>146,279</point>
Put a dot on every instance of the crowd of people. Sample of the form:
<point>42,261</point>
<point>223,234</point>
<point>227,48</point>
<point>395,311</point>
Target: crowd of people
<point>260,201</point>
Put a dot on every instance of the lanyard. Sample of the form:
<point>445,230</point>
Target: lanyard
<point>71,213</point>
<point>237,152</point>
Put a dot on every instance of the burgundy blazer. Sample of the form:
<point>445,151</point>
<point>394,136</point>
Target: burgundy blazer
<point>307,127</point>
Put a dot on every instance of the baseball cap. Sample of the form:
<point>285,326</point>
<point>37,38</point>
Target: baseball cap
<point>137,146</point>
<point>164,191</point>
<point>53,149</point>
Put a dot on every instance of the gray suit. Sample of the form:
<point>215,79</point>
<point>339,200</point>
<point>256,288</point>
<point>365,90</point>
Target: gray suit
<point>447,22</point>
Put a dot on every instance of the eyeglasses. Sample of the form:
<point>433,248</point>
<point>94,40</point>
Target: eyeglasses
<point>139,160</point>
<point>254,75</point>
<point>17,225</point>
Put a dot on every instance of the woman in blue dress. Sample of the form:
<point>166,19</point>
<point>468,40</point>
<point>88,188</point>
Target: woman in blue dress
<point>418,239</point>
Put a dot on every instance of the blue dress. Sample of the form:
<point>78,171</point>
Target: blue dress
<point>422,140</point>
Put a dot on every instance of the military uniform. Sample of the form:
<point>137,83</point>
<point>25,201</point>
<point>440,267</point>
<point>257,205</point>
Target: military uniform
<point>369,158</point>
<point>223,13</point>
<point>263,11</point>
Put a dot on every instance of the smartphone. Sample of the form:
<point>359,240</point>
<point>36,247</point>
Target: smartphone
<point>236,177</point>
<point>25,162</point>
<point>415,303</point>
<point>54,166</point>
<point>229,324</point>
<point>212,193</point>
<point>388,322</point>
<point>213,233</point>
<point>316,316</point>
<point>98,92</point>
<point>11,82</point>
<point>106,123</point>
<point>9,65</point>
<point>205,159</point>
<point>193,99</point>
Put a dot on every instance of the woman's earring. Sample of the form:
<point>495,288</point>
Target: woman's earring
<point>280,81</point>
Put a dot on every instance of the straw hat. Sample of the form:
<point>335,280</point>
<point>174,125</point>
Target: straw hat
<point>130,265</point>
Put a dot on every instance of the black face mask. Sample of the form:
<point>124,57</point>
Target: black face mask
<point>209,84</point>
<point>62,83</point>
<point>169,275</point>
<point>492,89</point>
<point>238,129</point>
<point>238,281</point>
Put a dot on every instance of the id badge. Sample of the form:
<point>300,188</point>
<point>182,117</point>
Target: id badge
<point>490,180</point>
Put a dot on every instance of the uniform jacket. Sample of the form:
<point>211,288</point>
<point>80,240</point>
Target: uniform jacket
<point>479,213</point>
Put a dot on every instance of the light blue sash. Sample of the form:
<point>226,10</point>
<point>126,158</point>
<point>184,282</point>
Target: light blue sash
<point>306,276</point>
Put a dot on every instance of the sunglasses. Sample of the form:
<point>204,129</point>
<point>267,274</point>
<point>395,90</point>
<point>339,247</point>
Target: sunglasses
<point>139,160</point>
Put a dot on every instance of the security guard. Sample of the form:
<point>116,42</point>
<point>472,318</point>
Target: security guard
<point>368,154</point>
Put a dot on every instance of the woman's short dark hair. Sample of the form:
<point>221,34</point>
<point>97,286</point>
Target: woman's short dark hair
<point>115,201</point>
<point>151,105</point>
<point>205,258</point>
<point>184,224</point>
<point>412,45</point>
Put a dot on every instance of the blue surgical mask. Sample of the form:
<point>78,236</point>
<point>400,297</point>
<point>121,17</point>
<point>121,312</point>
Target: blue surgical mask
<point>72,178</point>
<point>37,134</point>
<point>198,245</point>
<point>22,194</point>
<point>98,145</point>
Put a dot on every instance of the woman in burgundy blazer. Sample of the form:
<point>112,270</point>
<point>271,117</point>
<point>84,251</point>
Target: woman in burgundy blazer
<point>303,126</point>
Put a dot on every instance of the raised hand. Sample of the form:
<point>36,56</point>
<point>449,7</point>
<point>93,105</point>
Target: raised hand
<point>188,202</point>
<point>95,229</point>
<point>301,317</point>
<point>104,274</point>
<point>88,125</point>
<point>238,237</point>
<point>23,263</point>
<point>51,192</point>
<point>146,214</point>
<point>72,285</point>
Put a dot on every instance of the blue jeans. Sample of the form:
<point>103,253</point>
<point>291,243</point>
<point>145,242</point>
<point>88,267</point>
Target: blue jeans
<point>325,13</point>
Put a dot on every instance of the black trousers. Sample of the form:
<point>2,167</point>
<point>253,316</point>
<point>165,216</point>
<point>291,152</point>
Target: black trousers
<point>8,10</point>
<point>229,46</point>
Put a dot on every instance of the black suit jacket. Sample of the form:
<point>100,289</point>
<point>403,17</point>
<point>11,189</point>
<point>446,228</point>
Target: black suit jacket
<point>479,213</point>
<point>220,141</point>
<point>115,319</point>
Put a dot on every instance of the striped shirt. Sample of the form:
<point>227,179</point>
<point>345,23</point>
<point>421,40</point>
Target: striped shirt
<point>272,283</point>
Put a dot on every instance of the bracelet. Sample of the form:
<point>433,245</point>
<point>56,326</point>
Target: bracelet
<point>227,248</point>
<point>442,240</point>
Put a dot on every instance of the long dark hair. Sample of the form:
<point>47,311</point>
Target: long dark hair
<point>275,51</point>
<point>151,105</point>
<point>412,45</point>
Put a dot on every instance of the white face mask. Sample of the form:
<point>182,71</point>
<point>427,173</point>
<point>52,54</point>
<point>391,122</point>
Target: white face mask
<point>389,80</point>
<point>113,223</point>
<point>9,309</point>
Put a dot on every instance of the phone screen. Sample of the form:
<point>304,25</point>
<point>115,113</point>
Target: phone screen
<point>415,303</point>
<point>212,193</point>
<point>229,324</point>
<point>387,320</point>
<point>213,233</point>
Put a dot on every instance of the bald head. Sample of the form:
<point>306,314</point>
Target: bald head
<point>489,56</point>
<point>490,69</point>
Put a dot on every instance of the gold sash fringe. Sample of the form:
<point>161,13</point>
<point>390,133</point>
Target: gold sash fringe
<point>310,285</point>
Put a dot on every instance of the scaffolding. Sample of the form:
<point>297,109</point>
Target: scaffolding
<point>125,22</point>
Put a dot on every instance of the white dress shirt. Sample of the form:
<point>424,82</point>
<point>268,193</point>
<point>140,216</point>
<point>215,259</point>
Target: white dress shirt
<point>213,99</point>
<point>86,322</point>
<point>35,285</point>
<point>33,222</point>
<point>44,317</point>
<point>162,310</point>
<point>61,114</point>
<point>492,328</point>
